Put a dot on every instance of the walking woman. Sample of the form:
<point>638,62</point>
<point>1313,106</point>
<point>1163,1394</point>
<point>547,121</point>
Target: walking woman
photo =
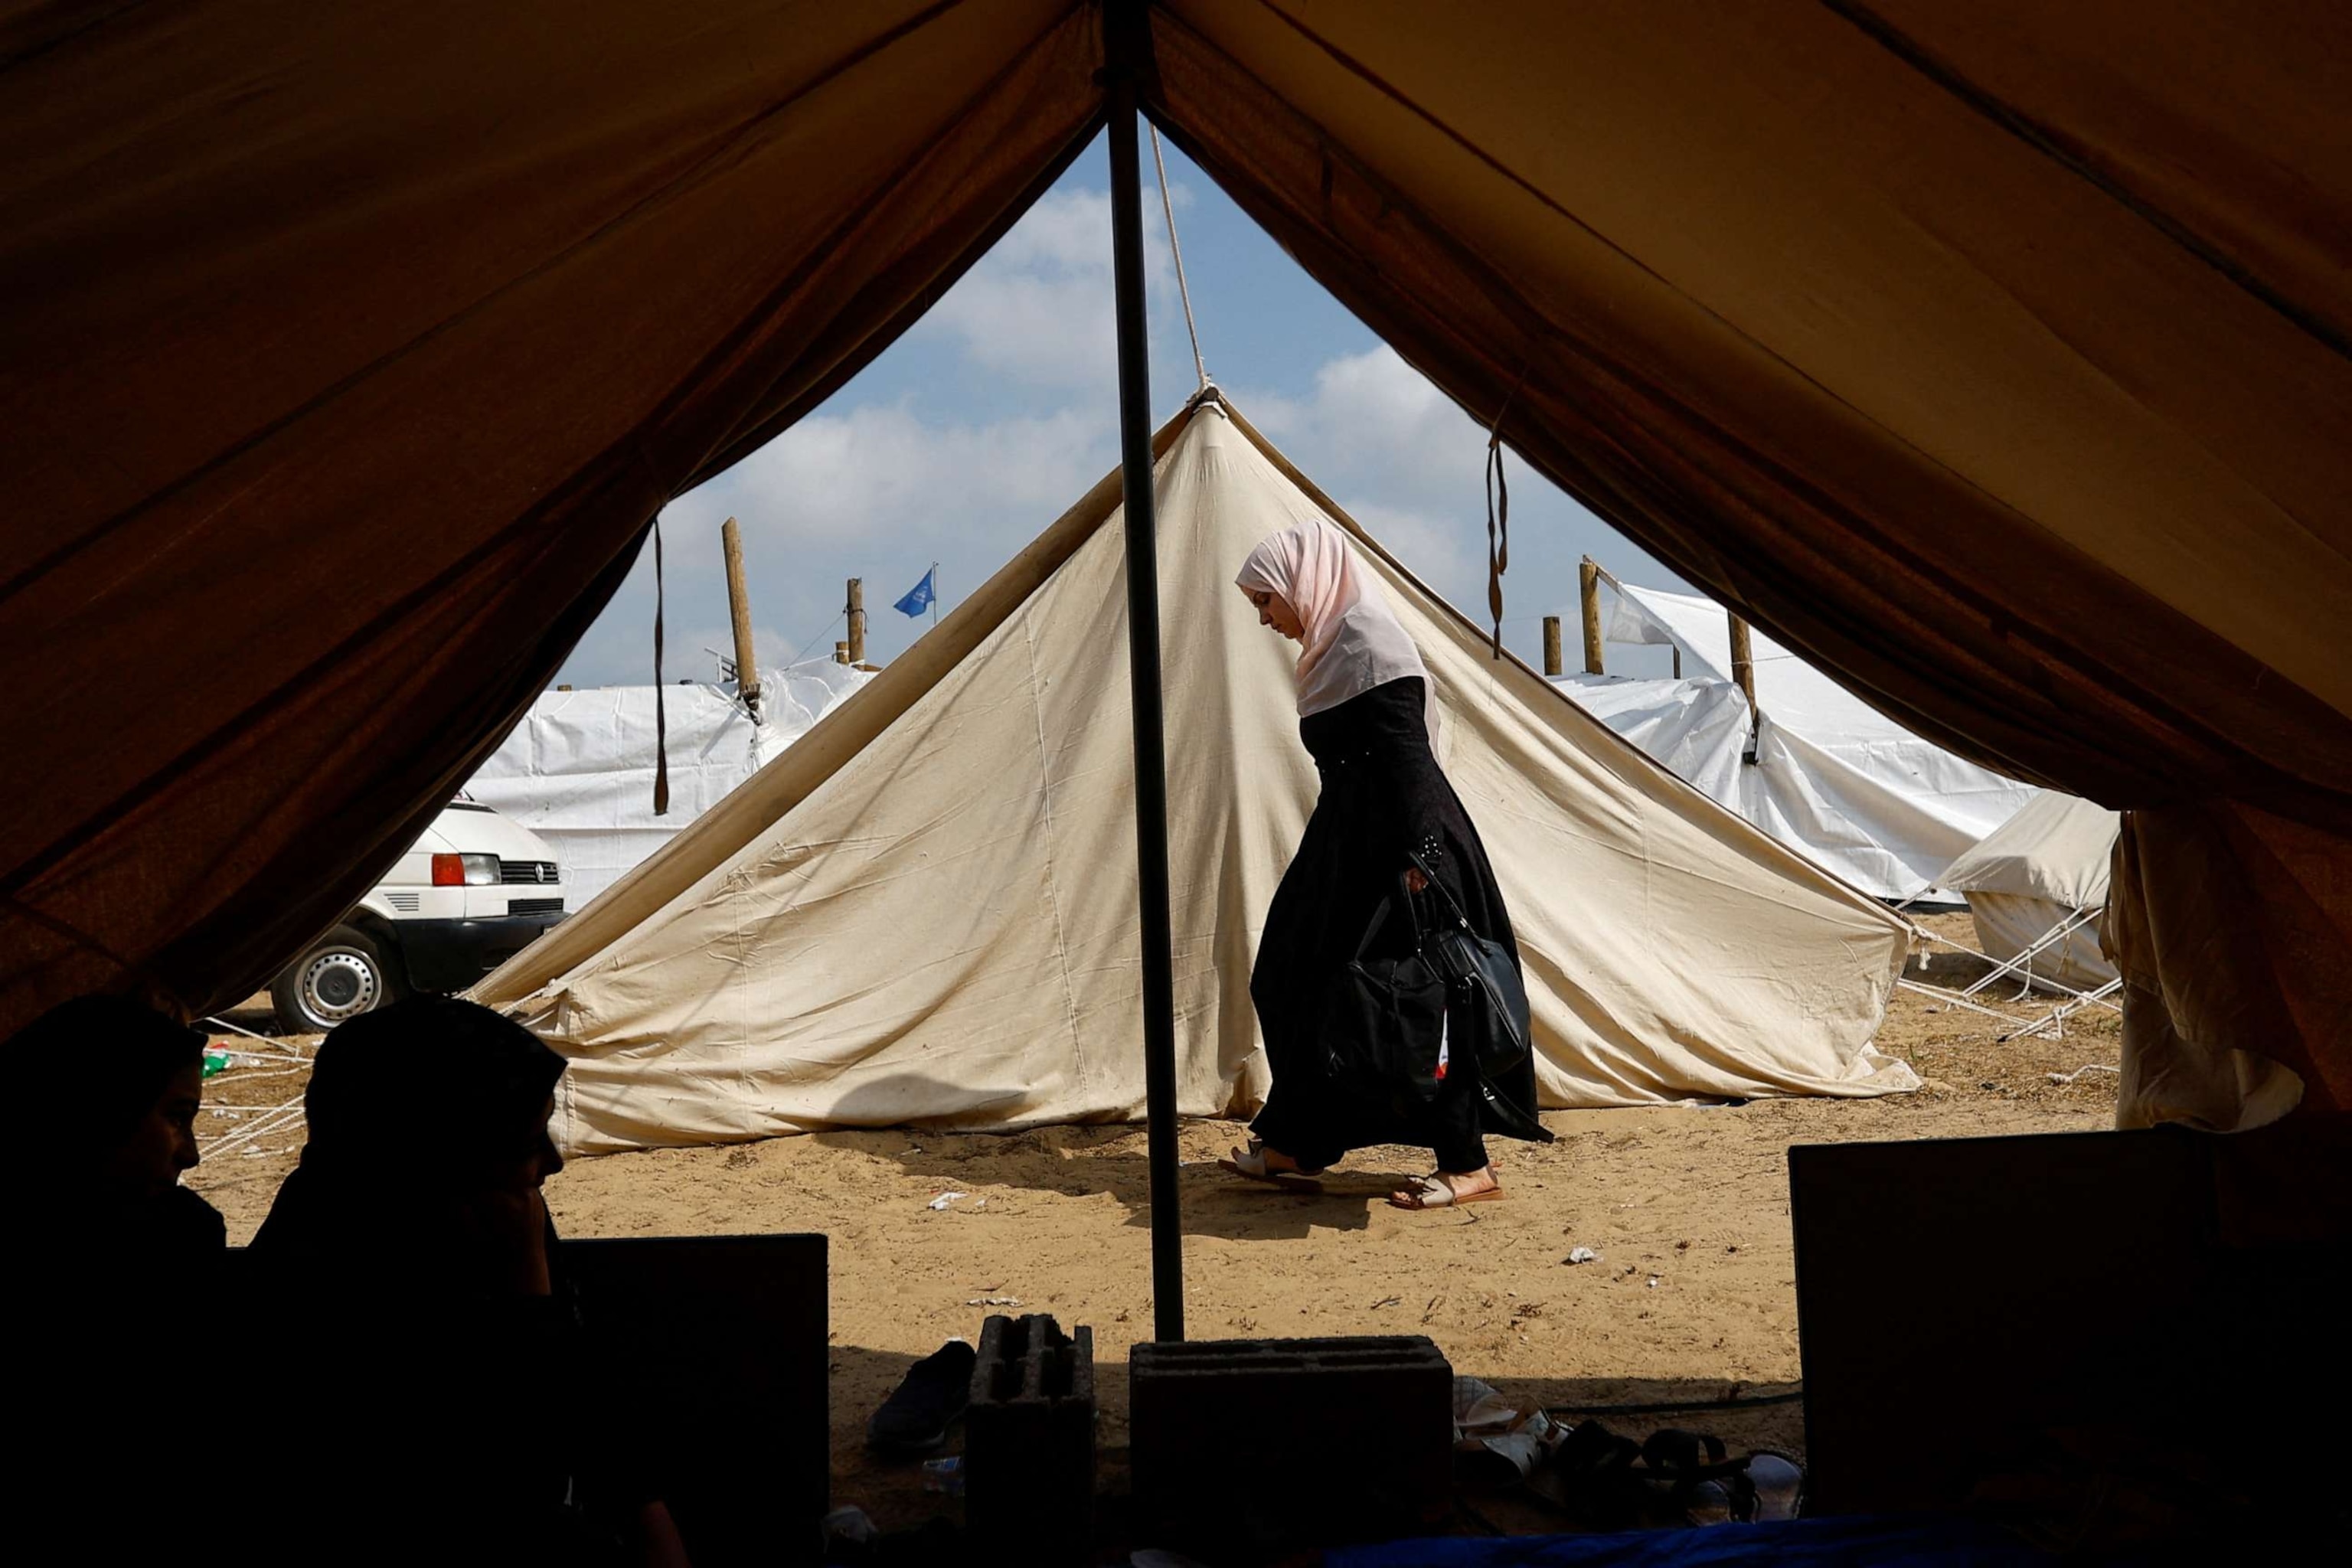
<point>1386,815</point>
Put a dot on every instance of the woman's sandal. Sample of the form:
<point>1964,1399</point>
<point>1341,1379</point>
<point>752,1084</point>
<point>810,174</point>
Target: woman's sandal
<point>1434,1192</point>
<point>1251,1163</point>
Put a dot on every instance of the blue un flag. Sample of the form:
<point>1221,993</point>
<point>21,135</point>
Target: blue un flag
<point>919,598</point>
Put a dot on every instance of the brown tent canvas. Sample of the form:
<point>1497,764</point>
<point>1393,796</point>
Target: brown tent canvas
<point>390,326</point>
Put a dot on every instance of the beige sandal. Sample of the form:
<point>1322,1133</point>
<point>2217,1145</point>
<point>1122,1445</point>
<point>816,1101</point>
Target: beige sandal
<point>1434,1192</point>
<point>1251,1163</point>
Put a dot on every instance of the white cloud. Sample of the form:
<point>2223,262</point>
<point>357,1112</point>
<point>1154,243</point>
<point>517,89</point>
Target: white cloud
<point>882,471</point>
<point>1038,307</point>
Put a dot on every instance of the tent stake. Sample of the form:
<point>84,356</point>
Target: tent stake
<point>1143,664</point>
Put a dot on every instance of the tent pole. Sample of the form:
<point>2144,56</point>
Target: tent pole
<point>1143,664</point>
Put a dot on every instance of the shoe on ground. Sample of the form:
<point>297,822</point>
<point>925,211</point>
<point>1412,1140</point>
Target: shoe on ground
<point>931,1398</point>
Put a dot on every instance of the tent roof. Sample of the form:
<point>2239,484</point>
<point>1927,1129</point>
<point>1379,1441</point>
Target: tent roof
<point>386,328</point>
<point>2056,850</point>
<point>937,925</point>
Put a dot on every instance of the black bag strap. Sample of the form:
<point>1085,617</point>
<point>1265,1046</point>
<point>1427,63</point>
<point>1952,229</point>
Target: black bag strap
<point>1442,891</point>
<point>1381,918</point>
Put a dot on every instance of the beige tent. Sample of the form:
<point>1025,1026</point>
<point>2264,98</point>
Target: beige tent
<point>935,922</point>
<point>2043,870</point>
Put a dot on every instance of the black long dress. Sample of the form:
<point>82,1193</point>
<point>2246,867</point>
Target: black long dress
<point>1383,800</point>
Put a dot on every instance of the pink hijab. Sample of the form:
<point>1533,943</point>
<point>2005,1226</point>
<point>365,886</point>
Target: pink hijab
<point>1351,641</point>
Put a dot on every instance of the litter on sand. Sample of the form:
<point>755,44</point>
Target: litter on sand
<point>1581,1255</point>
<point>943,1200</point>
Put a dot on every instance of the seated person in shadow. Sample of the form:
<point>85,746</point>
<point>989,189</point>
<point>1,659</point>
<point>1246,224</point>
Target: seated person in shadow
<point>447,1415</point>
<point>118,1271</point>
<point>115,1227</point>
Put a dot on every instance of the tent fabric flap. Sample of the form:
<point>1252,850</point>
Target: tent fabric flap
<point>941,927</point>
<point>2232,929</point>
<point>1795,316</point>
<point>350,349</point>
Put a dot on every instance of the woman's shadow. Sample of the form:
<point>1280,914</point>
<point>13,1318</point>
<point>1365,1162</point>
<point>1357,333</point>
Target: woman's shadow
<point>1107,1159</point>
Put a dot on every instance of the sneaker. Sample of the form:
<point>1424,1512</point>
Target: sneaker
<point>915,1419</point>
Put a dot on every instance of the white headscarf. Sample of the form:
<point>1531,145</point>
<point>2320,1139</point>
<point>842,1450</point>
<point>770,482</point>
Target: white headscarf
<point>1351,640</point>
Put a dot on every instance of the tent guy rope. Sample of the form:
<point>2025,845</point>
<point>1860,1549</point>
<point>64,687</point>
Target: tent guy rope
<point>1183,292</point>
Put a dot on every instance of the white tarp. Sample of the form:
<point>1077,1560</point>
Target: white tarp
<point>925,911</point>
<point>2032,872</point>
<point>579,770</point>
<point>1832,776</point>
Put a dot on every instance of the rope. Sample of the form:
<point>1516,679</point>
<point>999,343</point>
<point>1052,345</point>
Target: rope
<point>661,702</point>
<point>1183,293</point>
<point>1498,517</point>
<point>802,657</point>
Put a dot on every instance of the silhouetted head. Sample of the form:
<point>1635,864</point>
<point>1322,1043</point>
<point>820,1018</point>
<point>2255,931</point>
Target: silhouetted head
<point>458,1095</point>
<point>126,1125</point>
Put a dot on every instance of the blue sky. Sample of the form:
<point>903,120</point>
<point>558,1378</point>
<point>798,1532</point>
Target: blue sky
<point>976,429</point>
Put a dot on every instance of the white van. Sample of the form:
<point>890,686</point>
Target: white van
<point>475,891</point>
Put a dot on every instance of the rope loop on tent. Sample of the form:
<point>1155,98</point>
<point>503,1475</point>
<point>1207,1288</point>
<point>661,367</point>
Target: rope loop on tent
<point>661,709</point>
<point>1498,513</point>
<point>1183,292</point>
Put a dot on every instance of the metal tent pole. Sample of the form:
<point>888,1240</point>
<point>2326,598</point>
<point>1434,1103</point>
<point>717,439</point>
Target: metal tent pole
<point>1150,746</point>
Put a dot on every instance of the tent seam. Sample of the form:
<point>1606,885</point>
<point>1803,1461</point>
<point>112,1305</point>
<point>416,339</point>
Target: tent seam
<point>1053,861</point>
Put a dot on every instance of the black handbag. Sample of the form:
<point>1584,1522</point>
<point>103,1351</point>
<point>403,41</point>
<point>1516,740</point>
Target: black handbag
<point>1384,1018</point>
<point>1497,1021</point>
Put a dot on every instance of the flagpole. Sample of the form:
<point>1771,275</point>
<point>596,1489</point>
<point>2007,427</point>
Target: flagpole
<point>935,593</point>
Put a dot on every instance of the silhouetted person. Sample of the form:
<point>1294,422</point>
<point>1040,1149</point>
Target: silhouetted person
<point>446,1408</point>
<point>119,1264</point>
<point>113,1136</point>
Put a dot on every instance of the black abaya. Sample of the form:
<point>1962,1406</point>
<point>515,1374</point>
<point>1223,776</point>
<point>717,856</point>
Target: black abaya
<point>1384,802</point>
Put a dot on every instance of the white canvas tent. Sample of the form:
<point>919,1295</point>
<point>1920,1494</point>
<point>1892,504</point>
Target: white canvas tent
<point>1881,808</point>
<point>2043,870</point>
<point>579,770</point>
<point>926,910</point>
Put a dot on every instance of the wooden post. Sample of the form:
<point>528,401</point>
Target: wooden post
<point>739,607</point>
<point>1588,600</point>
<point>857,620</point>
<point>1552,645</point>
<point>841,653</point>
<point>1743,664</point>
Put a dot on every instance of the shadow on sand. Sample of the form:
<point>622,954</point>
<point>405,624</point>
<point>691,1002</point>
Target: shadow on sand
<point>1111,1159</point>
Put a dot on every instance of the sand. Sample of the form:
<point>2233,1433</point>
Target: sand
<point>1692,1295</point>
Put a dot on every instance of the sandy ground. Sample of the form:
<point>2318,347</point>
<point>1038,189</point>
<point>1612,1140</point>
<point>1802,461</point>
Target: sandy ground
<point>1692,1297</point>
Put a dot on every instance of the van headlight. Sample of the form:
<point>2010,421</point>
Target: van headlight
<point>465,870</point>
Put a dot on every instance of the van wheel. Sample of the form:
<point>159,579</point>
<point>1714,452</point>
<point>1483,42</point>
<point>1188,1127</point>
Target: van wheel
<point>340,976</point>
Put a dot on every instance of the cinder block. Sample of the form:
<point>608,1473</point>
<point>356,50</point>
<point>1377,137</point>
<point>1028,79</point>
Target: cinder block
<point>1029,1443</point>
<point>1305,1441</point>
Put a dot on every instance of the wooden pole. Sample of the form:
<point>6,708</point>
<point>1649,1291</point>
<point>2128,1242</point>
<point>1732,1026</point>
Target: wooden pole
<point>841,653</point>
<point>1552,645</point>
<point>857,620</point>
<point>1588,601</point>
<point>739,607</point>
<point>1743,664</point>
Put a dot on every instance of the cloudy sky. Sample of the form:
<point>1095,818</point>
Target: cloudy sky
<point>971,433</point>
